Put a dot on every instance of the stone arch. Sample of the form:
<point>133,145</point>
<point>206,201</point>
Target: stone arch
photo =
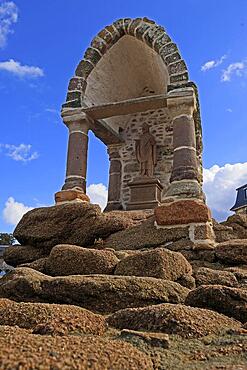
<point>142,29</point>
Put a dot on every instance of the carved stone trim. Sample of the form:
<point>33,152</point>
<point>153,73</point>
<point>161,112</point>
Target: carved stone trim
<point>181,102</point>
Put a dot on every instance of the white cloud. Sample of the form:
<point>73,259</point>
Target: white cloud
<point>212,63</point>
<point>229,110</point>
<point>19,70</point>
<point>8,16</point>
<point>20,153</point>
<point>98,194</point>
<point>220,185</point>
<point>238,69</point>
<point>13,211</point>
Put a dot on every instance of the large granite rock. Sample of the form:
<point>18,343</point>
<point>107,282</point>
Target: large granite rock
<point>239,225</point>
<point>207,276</point>
<point>222,232</point>
<point>173,319</point>
<point>136,216</point>
<point>229,301</point>
<point>202,253</point>
<point>145,235</point>
<point>232,252</point>
<point>159,263</point>
<point>240,272</point>
<point>196,264</point>
<point>21,350</point>
<point>76,223</point>
<point>18,254</point>
<point>73,260</point>
<point>235,227</point>
<point>38,265</point>
<point>51,318</point>
<point>98,293</point>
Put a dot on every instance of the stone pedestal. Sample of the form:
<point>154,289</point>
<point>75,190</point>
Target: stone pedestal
<point>145,193</point>
<point>72,195</point>
<point>192,214</point>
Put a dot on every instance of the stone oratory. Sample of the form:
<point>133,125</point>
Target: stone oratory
<point>132,89</point>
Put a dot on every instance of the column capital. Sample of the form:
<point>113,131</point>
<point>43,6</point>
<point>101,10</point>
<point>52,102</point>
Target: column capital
<point>113,150</point>
<point>80,122</point>
<point>181,102</point>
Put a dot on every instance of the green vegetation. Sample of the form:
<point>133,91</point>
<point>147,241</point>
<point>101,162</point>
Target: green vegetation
<point>7,239</point>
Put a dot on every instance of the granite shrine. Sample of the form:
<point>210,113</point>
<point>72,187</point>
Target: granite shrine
<point>132,89</point>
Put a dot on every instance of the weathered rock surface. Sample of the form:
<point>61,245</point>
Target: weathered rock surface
<point>144,236</point>
<point>38,265</point>
<point>196,264</point>
<point>73,260</point>
<point>137,217</point>
<point>207,254</point>
<point>52,319</point>
<point>76,223</point>
<point>222,232</point>
<point>232,252</point>
<point>152,339</point>
<point>179,245</point>
<point>173,319</point>
<point>20,349</point>
<point>123,254</point>
<point>235,227</point>
<point>17,255</point>
<point>182,212</point>
<point>240,273</point>
<point>229,301</point>
<point>98,293</point>
<point>239,225</point>
<point>187,280</point>
<point>206,276</point>
<point>159,263</point>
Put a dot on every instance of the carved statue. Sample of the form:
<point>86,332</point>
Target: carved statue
<point>146,152</point>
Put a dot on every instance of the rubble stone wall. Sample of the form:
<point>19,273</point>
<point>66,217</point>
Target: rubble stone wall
<point>161,127</point>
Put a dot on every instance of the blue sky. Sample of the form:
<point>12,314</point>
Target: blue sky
<point>41,42</point>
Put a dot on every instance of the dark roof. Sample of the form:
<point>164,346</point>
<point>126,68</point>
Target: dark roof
<point>243,186</point>
<point>241,199</point>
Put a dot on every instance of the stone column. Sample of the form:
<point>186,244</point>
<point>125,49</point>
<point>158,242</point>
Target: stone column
<point>185,176</point>
<point>183,207</point>
<point>115,176</point>
<point>74,187</point>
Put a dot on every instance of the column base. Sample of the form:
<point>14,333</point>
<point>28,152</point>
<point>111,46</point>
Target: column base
<point>193,214</point>
<point>71,195</point>
<point>113,206</point>
<point>185,189</point>
<point>145,193</point>
<point>75,182</point>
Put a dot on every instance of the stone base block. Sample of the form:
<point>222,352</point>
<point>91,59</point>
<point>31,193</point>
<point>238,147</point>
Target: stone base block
<point>204,231</point>
<point>72,195</point>
<point>113,206</point>
<point>182,212</point>
<point>201,235</point>
<point>193,214</point>
<point>145,193</point>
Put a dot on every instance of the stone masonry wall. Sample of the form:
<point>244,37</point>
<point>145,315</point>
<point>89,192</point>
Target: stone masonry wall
<point>161,127</point>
